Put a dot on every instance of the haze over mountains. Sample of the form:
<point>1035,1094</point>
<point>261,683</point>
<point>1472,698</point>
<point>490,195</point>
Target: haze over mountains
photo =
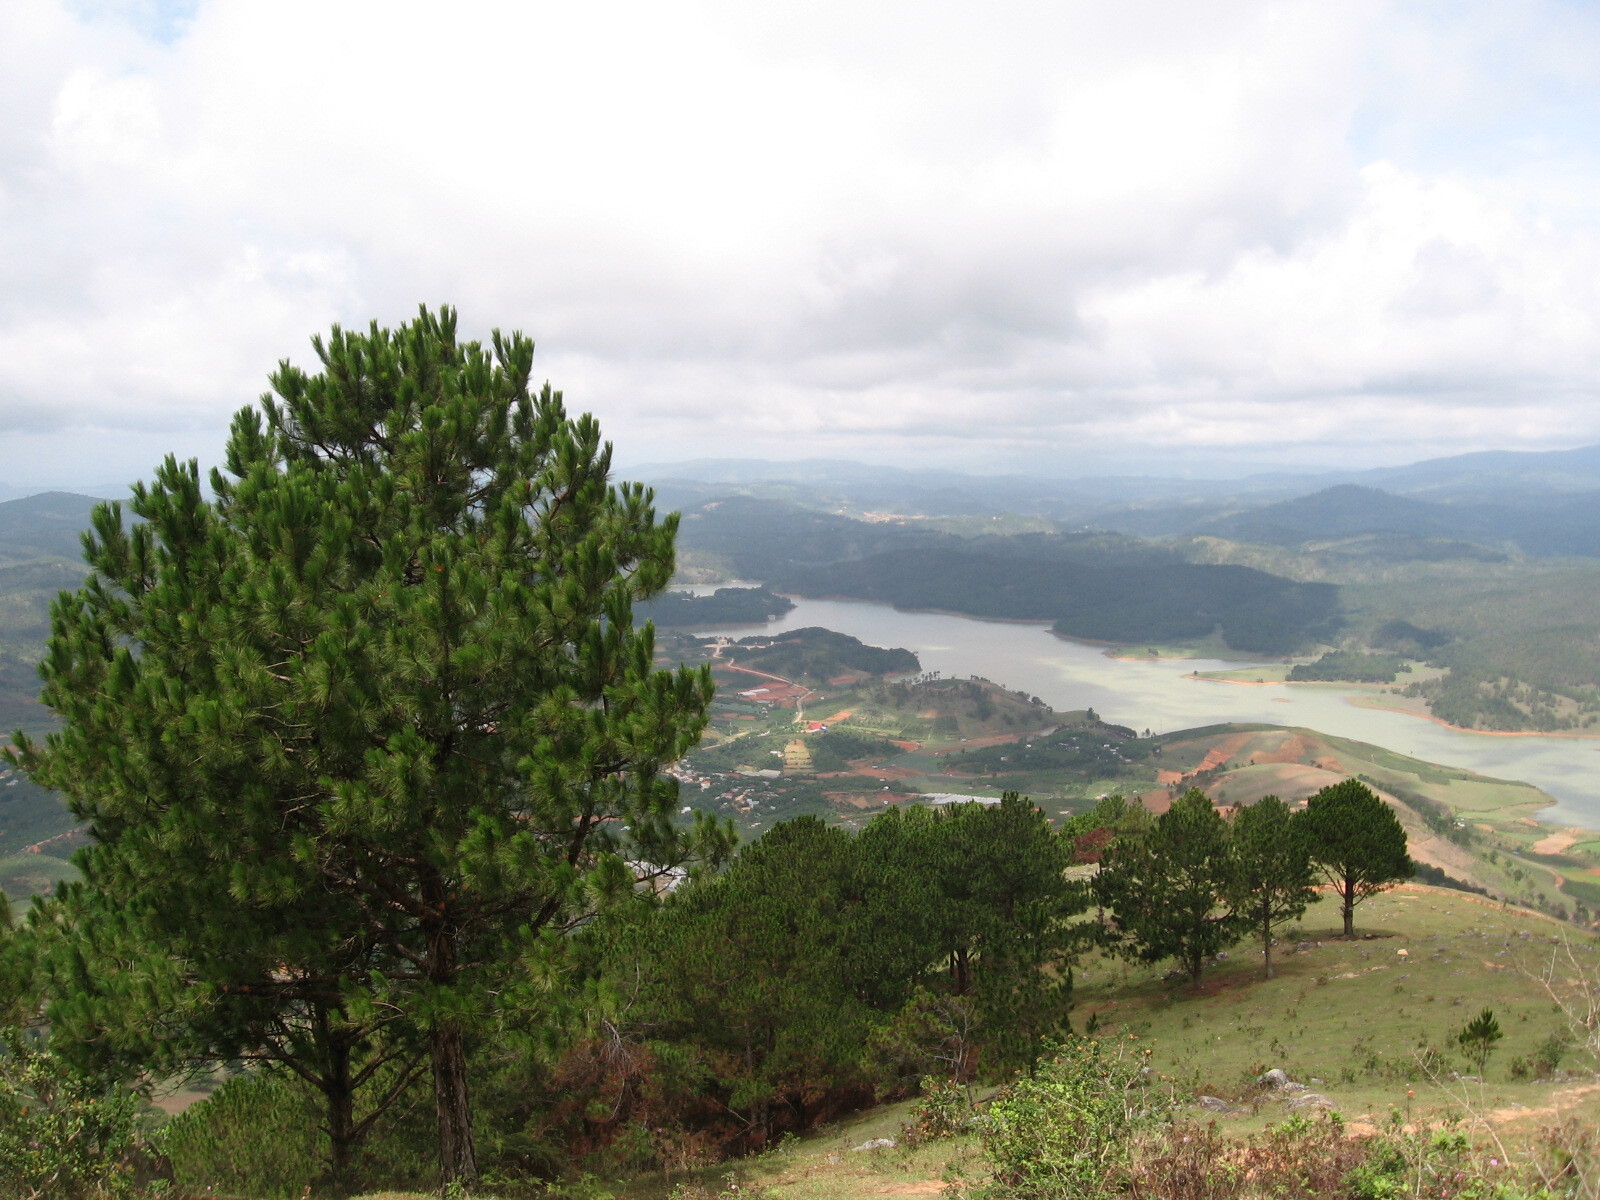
<point>1536,504</point>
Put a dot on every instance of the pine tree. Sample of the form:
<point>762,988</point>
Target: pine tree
<point>377,713</point>
<point>1478,1039</point>
<point>758,969</point>
<point>1272,879</point>
<point>985,889</point>
<point>1356,841</point>
<point>1167,888</point>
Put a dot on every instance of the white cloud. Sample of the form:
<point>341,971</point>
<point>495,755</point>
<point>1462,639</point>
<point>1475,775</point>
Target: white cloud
<point>1030,230</point>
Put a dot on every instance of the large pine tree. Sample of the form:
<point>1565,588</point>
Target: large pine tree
<point>1167,887</point>
<point>361,734</point>
<point>1357,843</point>
<point>1272,877</point>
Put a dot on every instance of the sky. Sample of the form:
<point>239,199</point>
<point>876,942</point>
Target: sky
<point>1055,237</point>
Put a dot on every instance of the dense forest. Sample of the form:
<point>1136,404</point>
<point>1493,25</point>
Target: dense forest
<point>1112,601</point>
<point>817,655</point>
<point>1351,666</point>
<point>1492,571</point>
<point>1102,587</point>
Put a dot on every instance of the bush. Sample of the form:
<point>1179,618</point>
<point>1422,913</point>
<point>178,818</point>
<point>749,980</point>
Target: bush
<point>260,1135</point>
<point>943,1112</point>
<point>62,1135</point>
<point>256,1135</point>
<point>1067,1131</point>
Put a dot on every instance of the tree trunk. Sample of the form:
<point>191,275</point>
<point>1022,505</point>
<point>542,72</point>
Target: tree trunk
<point>341,1133</point>
<point>339,1101</point>
<point>960,972</point>
<point>1266,950</point>
<point>1349,897</point>
<point>458,1160</point>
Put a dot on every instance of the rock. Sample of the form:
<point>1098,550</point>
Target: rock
<point>1311,1100</point>
<point>1214,1104</point>
<point>876,1144</point>
<point>1275,1078</point>
<point>1294,1089</point>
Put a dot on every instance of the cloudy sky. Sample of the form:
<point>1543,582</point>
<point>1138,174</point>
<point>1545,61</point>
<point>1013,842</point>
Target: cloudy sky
<point>1063,237</point>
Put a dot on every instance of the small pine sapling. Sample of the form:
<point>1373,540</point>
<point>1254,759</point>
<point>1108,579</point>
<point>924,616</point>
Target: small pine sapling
<point>1478,1038</point>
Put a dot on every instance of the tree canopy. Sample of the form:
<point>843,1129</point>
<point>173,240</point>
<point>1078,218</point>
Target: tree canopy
<point>1272,877</point>
<point>1168,886</point>
<point>359,735</point>
<point>1356,841</point>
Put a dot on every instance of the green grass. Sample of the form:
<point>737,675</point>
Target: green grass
<point>23,875</point>
<point>1354,1014</point>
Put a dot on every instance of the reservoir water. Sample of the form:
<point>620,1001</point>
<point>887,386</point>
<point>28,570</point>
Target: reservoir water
<point>1160,697</point>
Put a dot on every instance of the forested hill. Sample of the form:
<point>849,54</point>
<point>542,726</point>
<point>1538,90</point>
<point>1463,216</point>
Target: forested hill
<point>1112,601</point>
<point>818,655</point>
<point>1104,587</point>
<point>49,525</point>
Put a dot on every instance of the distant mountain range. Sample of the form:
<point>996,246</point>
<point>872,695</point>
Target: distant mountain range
<point>1538,504</point>
<point>50,524</point>
<point>1540,525</point>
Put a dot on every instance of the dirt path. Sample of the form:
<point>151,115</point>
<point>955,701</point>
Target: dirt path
<point>1560,1102</point>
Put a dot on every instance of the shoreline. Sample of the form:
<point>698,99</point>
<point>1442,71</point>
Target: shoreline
<point>933,612</point>
<point>1377,702</point>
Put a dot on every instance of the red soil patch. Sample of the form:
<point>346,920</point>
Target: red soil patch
<point>849,799</point>
<point>1157,801</point>
<point>1560,843</point>
<point>1293,749</point>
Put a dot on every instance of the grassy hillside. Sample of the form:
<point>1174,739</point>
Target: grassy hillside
<point>1364,1030</point>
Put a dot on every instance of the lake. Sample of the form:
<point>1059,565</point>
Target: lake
<point>1160,697</point>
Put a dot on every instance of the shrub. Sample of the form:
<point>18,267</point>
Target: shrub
<point>1478,1038</point>
<point>260,1135</point>
<point>255,1136</point>
<point>1067,1131</point>
<point>62,1134</point>
<point>943,1112</point>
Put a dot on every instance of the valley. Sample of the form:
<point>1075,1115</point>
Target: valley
<point>847,742</point>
